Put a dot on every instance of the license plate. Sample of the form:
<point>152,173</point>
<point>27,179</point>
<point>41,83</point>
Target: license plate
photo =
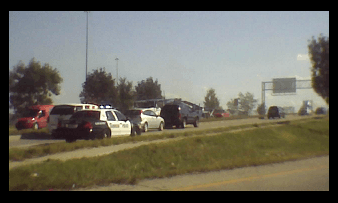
<point>71,125</point>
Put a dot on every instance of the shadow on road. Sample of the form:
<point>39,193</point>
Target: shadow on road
<point>36,136</point>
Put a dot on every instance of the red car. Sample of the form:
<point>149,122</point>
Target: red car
<point>36,117</point>
<point>218,113</point>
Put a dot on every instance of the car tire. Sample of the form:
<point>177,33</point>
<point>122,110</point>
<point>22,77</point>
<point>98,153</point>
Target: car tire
<point>70,140</point>
<point>35,126</point>
<point>145,127</point>
<point>160,128</point>
<point>105,134</point>
<point>184,123</point>
<point>138,130</point>
<point>133,132</point>
<point>196,123</point>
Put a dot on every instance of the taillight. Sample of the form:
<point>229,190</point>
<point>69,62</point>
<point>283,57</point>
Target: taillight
<point>59,124</point>
<point>179,115</point>
<point>87,125</point>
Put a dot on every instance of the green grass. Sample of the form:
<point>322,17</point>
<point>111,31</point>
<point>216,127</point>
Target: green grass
<point>192,154</point>
<point>20,154</point>
<point>13,131</point>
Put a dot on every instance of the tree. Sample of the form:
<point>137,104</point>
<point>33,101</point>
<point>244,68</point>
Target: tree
<point>148,89</point>
<point>232,107</point>
<point>99,87</point>
<point>210,100</point>
<point>32,85</point>
<point>319,55</point>
<point>245,103</point>
<point>261,109</point>
<point>126,94</point>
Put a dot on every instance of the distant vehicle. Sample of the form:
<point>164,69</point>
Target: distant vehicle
<point>219,113</point>
<point>180,114</point>
<point>275,111</point>
<point>96,123</point>
<point>64,112</point>
<point>320,110</point>
<point>146,118</point>
<point>36,117</point>
<point>153,104</point>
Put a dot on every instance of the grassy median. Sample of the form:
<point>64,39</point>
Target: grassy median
<point>192,154</point>
<point>20,154</point>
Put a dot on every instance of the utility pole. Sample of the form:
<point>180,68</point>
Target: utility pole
<point>117,71</point>
<point>87,46</point>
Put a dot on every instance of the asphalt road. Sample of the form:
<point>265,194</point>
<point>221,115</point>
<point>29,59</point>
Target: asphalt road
<point>302,175</point>
<point>31,140</point>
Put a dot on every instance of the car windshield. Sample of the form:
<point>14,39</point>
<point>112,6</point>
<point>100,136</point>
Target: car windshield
<point>31,113</point>
<point>133,112</point>
<point>273,109</point>
<point>86,114</point>
<point>169,108</point>
<point>65,110</point>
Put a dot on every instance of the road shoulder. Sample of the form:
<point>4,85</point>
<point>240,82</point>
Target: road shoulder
<point>231,178</point>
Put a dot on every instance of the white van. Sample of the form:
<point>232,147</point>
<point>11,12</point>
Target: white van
<point>64,112</point>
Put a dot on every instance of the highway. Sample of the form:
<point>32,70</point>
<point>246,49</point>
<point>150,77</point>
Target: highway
<point>302,175</point>
<point>31,140</point>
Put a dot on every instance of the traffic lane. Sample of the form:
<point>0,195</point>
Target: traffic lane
<point>27,141</point>
<point>19,142</point>
<point>304,179</point>
<point>303,175</point>
<point>224,123</point>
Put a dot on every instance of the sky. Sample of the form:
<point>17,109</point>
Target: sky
<point>188,52</point>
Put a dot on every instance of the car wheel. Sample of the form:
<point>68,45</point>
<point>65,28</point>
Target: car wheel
<point>145,128</point>
<point>184,123</point>
<point>133,132</point>
<point>160,128</point>
<point>35,126</point>
<point>196,123</point>
<point>69,140</point>
<point>138,130</point>
<point>104,134</point>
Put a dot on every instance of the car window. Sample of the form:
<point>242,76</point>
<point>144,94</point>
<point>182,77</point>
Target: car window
<point>148,113</point>
<point>86,114</point>
<point>110,116</point>
<point>65,110</point>
<point>120,116</point>
<point>151,113</point>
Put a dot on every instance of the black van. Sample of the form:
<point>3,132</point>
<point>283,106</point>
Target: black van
<point>180,114</point>
<point>276,111</point>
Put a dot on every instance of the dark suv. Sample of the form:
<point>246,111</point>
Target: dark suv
<point>180,114</point>
<point>276,111</point>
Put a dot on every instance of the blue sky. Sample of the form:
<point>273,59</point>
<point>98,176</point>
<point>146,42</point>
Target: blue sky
<point>188,52</point>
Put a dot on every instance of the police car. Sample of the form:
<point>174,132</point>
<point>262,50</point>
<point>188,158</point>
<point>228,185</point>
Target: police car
<point>96,123</point>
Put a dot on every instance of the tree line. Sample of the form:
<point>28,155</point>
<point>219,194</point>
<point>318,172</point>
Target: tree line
<point>101,87</point>
<point>35,84</point>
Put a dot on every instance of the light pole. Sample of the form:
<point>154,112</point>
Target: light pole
<point>87,45</point>
<point>117,71</point>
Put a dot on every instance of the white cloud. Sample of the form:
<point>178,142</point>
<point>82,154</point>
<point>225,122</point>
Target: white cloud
<point>303,57</point>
